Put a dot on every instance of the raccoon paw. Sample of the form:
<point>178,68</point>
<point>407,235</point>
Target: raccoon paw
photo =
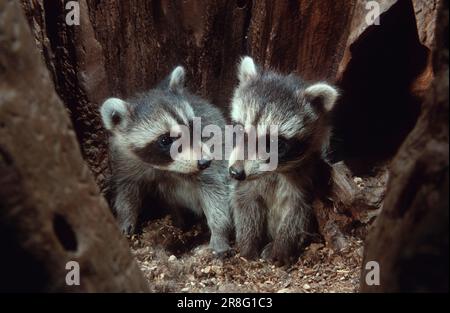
<point>220,249</point>
<point>279,258</point>
<point>282,255</point>
<point>266,254</point>
<point>208,252</point>
<point>127,228</point>
<point>249,253</point>
<point>224,254</point>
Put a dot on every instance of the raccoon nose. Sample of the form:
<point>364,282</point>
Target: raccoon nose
<point>238,174</point>
<point>203,164</point>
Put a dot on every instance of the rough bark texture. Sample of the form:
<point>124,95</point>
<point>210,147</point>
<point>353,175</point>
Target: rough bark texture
<point>50,208</point>
<point>410,237</point>
<point>121,48</point>
<point>307,37</point>
<point>355,202</point>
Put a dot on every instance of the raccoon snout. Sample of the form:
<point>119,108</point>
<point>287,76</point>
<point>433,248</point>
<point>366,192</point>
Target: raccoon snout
<point>237,173</point>
<point>203,164</point>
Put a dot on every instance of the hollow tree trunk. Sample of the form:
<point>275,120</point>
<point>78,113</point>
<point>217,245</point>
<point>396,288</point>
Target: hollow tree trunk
<point>122,47</point>
<point>51,212</point>
<point>410,237</point>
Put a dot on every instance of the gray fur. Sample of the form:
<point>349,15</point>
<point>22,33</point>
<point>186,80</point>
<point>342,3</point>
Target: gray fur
<point>134,178</point>
<point>272,211</point>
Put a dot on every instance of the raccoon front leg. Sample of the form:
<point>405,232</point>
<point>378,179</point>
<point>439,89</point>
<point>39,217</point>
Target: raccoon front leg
<point>292,232</point>
<point>127,205</point>
<point>217,211</point>
<point>249,216</point>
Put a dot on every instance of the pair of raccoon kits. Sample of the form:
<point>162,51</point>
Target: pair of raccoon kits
<point>269,211</point>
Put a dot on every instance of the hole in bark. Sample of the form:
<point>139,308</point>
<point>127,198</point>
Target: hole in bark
<point>378,108</point>
<point>65,233</point>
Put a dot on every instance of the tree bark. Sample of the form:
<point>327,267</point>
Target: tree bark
<point>51,212</point>
<point>122,48</point>
<point>410,237</point>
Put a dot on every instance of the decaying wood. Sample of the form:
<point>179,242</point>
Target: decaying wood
<point>383,73</point>
<point>119,50</point>
<point>307,37</point>
<point>50,208</point>
<point>354,204</point>
<point>123,48</point>
<point>410,237</point>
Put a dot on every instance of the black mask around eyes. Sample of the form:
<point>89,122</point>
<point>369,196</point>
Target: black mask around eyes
<point>290,148</point>
<point>165,141</point>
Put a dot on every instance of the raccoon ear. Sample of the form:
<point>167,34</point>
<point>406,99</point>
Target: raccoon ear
<point>322,95</point>
<point>177,78</point>
<point>114,112</point>
<point>247,70</point>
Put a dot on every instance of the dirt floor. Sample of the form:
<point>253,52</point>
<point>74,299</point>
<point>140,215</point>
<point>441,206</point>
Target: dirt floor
<point>176,261</point>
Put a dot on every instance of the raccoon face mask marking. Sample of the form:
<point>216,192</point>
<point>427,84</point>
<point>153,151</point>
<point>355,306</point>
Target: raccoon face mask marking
<point>145,127</point>
<point>145,130</point>
<point>272,210</point>
<point>298,109</point>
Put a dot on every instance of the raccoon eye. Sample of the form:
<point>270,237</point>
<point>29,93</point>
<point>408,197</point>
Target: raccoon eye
<point>165,141</point>
<point>283,147</point>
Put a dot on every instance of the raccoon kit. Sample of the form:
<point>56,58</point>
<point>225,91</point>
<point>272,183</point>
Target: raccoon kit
<point>142,166</point>
<point>272,210</point>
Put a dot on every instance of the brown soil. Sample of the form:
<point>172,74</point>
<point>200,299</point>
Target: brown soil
<point>177,261</point>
